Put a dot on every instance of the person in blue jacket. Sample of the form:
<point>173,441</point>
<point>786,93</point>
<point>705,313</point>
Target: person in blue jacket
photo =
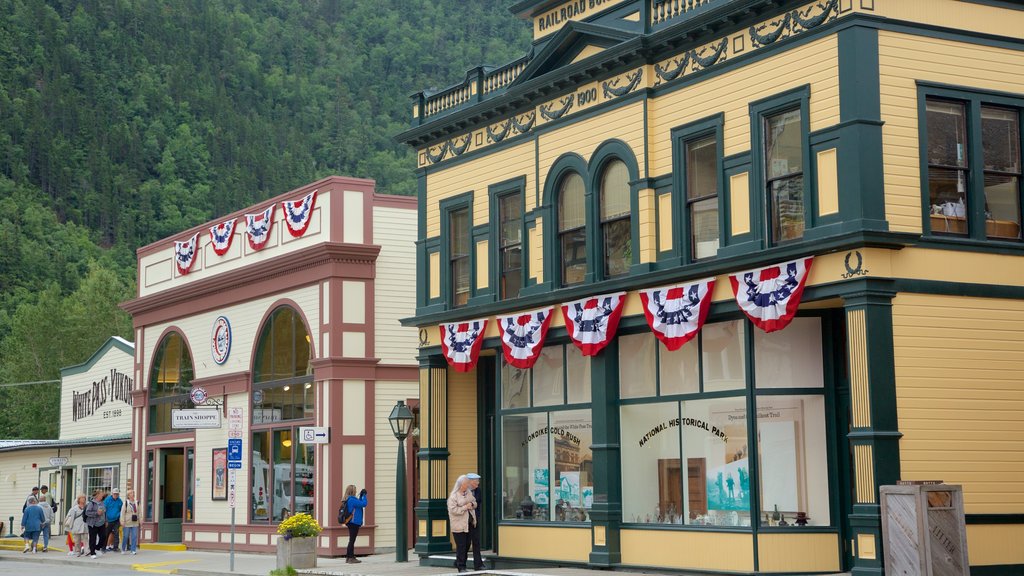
<point>113,504</point>
<point>32,520</point>
<point>355,509</point>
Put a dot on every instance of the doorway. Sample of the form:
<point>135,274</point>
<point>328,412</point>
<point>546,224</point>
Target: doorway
<point>170,495</point>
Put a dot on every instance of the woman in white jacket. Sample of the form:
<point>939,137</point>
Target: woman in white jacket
<point>74,524</point>
<point>462,517</point>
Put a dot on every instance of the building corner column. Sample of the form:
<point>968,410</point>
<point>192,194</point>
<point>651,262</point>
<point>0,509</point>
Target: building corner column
<point>874,435</point>
<point>606,512</point>
<point>432,509</point>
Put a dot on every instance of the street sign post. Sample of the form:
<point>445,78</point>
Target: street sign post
<point>234,463</point>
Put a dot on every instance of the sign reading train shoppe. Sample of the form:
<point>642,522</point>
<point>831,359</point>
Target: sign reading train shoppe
<point>115,387</point>
<point>190,419</point>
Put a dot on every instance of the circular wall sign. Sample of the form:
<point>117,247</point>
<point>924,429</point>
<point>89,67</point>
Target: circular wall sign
<point>221,340</point>
<point>198,395</point>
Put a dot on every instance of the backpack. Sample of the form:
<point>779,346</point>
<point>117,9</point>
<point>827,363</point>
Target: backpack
<point>344,514</point>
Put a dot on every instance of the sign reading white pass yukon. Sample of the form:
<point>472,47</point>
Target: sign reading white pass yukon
<point>195,418</point>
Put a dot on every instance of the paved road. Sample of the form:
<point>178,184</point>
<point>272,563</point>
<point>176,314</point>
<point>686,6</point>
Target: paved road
<point>92,568</point>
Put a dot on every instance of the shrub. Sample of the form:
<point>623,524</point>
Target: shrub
<point>299,526</point>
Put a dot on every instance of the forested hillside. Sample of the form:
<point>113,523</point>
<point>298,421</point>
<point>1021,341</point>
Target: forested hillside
<point>125,121</point>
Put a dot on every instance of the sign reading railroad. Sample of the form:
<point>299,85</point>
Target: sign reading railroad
<point>114,387</point>
<point>575,10</point>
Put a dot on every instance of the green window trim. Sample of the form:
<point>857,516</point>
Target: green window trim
<point>564,166</point>
<point>463,201</point>
<point>760,216</point>
<point>682,249</point>
<point>608,152</point>
<point>497,193</point>
<point>972,100</point>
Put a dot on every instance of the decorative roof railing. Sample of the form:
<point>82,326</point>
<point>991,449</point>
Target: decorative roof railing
<point>504,75</point>
<point>480,82</point>
<point>664,10</point>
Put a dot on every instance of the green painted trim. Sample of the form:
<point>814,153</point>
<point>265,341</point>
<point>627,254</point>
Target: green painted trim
<point>994,518</point>
<point>1008,4</point>
<point>998,570</point>
<point>112,342</point>
<point>495,193</point>
<point>607,151</point>
<point>566,163</point>
<point>446,207</point>
<point>422,266</point>
<point>606,510</point>
<point>682,250</point>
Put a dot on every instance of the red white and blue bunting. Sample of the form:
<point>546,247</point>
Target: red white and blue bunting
<point>461,341</point>
<point>221,236</point>
<point>676,313</point>
<point>257,227</point>
<point>522,336</point>
<point>185,254</point>
<point>769,296</point>
<point>592,322</point>
<point>297,214</point>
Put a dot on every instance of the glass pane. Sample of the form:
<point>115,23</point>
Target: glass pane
<point>787,198</point>
<point>150,474</point>
<point>618,248</point>
<point>783,144</point>
<point>460,282</point>
<point>526,467</point>
<point>282,497</point>
<point>651,468</point>
<point>679,370</point>
<point>571,204</point>
<point>511,271</point>
<point>305,475</point>
<point>704,227</point>
<point>547,377</point>
<point>172,368</point>
<point>1002,202</point>
<point>573,476</point>
<point>260,476</point>
<point>1000,138</point>
<point>614,191</point>
<point>283,355</point>
<point>701,168</point>
<point>577,370</point>
<point>723,356</point>
<point>792,459</point>
<point>511,224</point>
<point>947,189</point>
<point>947,133</point>
<point>302,349</point>
<point>280,403</point>
<point>574,256</point>
<point>458,243</point>
<point>717,488</point>
<point>190,484</point>
<point>790,358</point>
<point>515,386</point>
<point>636,365</point>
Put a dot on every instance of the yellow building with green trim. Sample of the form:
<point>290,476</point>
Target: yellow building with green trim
<point>646,143</point>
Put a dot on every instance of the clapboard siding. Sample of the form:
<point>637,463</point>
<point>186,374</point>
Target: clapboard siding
<point>462,429</point>
<point>386,459</point>
<point>960,394</point>
<point>395,298</point>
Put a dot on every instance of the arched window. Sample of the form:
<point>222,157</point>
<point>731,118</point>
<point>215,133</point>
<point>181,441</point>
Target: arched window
<point>572,229</point>
<point>616,231</point>
<point>282,390</point>
<point>170,381</point>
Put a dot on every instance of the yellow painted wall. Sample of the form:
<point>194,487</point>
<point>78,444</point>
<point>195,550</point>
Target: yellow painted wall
<point>566,544</point>
<point>989,545</point>
<point>815,63</point>
<point>905,59</point>
<point>960,396</point>
<point>954,14</point>
<point>476,176</point>
<point>798,552</point>
<point>462,430</point>
<point>693,550</point>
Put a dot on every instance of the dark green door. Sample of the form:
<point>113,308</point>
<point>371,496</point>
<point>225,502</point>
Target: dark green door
<point>171,505</point>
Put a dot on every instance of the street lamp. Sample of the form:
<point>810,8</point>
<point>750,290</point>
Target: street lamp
<point>401,421</point>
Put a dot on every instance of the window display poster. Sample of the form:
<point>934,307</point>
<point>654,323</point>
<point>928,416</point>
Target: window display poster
<point>588,496</point>
<point>729,484</point>
<point>540,485</point>
<point>569,484</point>
<point>220,473</point>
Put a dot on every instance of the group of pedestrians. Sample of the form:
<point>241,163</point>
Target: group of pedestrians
<point>95,525</point>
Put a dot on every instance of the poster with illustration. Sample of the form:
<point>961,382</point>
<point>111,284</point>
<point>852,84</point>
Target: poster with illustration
<point>541,481</point>
<point>569,488</point>
<point>729,486</point>
<point>588,496</point>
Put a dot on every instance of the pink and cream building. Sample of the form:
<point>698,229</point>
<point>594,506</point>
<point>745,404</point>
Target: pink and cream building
<point>296,325</point>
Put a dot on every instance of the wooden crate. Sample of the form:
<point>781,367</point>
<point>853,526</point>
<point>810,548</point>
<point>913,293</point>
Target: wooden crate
<point>958,225</point>
<point>923,530</point>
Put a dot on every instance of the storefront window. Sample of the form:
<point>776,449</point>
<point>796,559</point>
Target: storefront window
<point>150,471</point>
<point>723,357</point>
<point>790,358</point>
<point>793,460</point>
<point>547,460</point>
<point>170,381</point>
<point>283,380</point>
<point>100,478</point>
<point>190,484</point>
<point>637,363</point>
<point>283,473</point>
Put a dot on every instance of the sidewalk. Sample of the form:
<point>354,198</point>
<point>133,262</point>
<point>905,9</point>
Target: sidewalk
<point>196,563</point>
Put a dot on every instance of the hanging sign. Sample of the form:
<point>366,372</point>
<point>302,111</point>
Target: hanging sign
<point>522,336</point>
<point>257,227</point>
<point>192,418</point>
<point>297,214</point>
<point>221,340</point>
<point>221,236</point>
<point>592,322</point>
<point>461,343</point>
<point>769,296</point>
<point>676,313</point>
<point>185,254</point>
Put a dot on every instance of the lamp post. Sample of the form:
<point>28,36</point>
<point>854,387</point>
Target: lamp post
<point>401,421</point>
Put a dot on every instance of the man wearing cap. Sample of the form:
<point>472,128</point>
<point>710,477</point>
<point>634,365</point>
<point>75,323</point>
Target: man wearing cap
<point>113,504</point>
<point>474,527</point>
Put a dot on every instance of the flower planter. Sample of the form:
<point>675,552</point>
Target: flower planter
<point>299,553</point>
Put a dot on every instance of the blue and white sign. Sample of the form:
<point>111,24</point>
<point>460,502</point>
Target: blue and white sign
<point>221,340</point>
<point>234,449</point>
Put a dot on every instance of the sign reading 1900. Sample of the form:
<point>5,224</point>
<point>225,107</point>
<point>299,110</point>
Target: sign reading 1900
<point>569,11</point>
